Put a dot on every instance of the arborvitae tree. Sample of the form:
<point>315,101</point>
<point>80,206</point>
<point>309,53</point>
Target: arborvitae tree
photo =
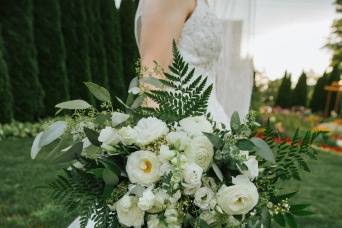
<point>285,92</point>
<point>334,76</point>
<point>129,46</point>
<point>299,96</point>
<point>98,63</point>
<point>6,112</point>
<point>21,57</point>
<point>112,43</point>
<point>75,33</point>
<point>335,42</point>
<point>51,53</point>
<point>319,95</point>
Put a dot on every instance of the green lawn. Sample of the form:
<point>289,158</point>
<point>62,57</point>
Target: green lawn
<point>22,205</point>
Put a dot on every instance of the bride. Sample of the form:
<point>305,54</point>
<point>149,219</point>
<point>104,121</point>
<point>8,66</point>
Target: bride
<point>199,35</point>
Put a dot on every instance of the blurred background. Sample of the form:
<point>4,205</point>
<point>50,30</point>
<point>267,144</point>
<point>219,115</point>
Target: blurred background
<point>49,47</point>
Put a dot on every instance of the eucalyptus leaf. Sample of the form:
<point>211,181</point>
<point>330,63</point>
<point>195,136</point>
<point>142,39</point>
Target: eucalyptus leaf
<point>70,154</point>
<point>152,81</point>
<point>98,91</point>
<point>245,144</point>
<point>265,218</point>
<point>263,149</point>
<point>290,220</point>
<point>35,146</point>
<point>73,105</point>
<point>111,165</point>
<point>235,121</point>
<point>97,172</point>
<point>53,132</point>
<point>279,218</point>
<point>109,177</point>
<point>138,102</point>
<point>214,139</point>
<point>217,171</point>
<point>92,136</point>
<point>134,83</point>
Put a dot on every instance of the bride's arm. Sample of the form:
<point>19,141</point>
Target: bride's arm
<point>162,22</point>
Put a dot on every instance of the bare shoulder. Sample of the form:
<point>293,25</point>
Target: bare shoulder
<point>171,6</point>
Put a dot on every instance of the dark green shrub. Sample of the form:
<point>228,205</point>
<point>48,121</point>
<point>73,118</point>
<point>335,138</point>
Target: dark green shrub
<point>300,92</point>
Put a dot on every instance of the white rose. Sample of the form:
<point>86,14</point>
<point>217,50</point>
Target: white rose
<point>127,135</point>
<point>118,118</point>
<point>146,202</point>
<point>192,178</point>
<point>165,154</point>
<point>178,139</point>
<point>154,222</point>
<point>238,199</point>
<point>194,126</point>
<point>129,214</point>
<point>159,202</point>
<point>143,167</point>
<point>109,138</point>
<point>200,151</point>
<point>150,129</point>
<point>204,198</point>
<point>253,169</point>
<point>171,217</point>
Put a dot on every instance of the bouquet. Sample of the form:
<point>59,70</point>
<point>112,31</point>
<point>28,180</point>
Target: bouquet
<point>172,165</point>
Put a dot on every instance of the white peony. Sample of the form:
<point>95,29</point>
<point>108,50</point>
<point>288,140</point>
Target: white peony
<point>238,199</point>
<point>146,202</point>
<point>127,135</point>
<point>204,198</point>
<point>192,175</point>
<point>165,154</point>
<point>253,169</point>
<point>118,118</point>
<point>150,129</point>
<point>109,138</point>
<point>129,214</point>
<point>195,126</point>
<point>200,151</point>
<point>179,139</point>
<point>143,167</point>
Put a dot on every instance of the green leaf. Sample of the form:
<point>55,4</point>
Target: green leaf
<point>111,165</point>
<point>214,139</point>
<point>109,177</point>
<point>99,92</point>
<point>265,218</point>
<point>73,105</point>
<point>290,220</point>
<point>134,83</point>
<point>70,154</point>
<point>298,207</point>
<point>92,136</point>
<point>245,144</point>
<point>152,81</point>
<point>279,218</point>
<point>138,102</point>
<point>235,121</point>
<point>279,198</point>
<point>35,146</point>
<point>97,172</point>
<point>263,149</point>
<point>53,132</point>
<point>302,213</point>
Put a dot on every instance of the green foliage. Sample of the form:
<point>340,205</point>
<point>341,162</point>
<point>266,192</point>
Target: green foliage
<point>285,92</point>
<point>299,96</point>
<point>51,53</point>
<point>335,43</point>
<point>319,95</point>
<point>129,47</point>
<point>113,48</point>
<point>186,95</point>
<point>75,33</point>
<point>98,62</point>
<point>6,99</point>
<point>17,29</point>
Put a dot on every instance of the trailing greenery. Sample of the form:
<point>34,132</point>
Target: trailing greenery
<point>75,33</point>
<point>51,53</point>
<point>98,61</point>
<point>183,96</point>
<point>113,48</point>
<point>129,46</point>
<point>16,18</point>
<point>318,99</point>
<point>6,99</point>
<point>300,92</point>
<point>285,92</point>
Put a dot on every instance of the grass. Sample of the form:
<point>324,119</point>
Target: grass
<point>23,205</point>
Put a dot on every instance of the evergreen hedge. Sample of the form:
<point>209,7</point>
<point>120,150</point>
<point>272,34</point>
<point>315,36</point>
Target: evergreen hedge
<point>75,33</point>
<point>6,113</point>
<point>285,92</point>
<point>129,46</point>
<point>112,42</point>
<point>21,57</point>
<point>98,62</point>
<point>300,92</point>
<point>51,53</point>
<point>319,95</point>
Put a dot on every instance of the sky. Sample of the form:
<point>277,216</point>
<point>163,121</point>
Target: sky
<point>290,35</point>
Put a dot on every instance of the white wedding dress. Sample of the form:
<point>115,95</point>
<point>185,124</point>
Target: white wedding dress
<point>200,44</point>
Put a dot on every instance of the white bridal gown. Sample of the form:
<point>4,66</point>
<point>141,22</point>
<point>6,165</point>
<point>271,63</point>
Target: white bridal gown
<point>201,46</point>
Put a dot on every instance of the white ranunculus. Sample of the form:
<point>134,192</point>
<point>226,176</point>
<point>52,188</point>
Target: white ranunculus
<point>200,151</point>
<point>150,129</point>
<point>238,199</point>
<point>118,118</point>
<point>204,198</point>
<point>129,214</point>
<point>192,175</point>
<point>143,167</point>
<point>179,139</point>
<point>109,138</point>
<point>196,125</point>
<point>146,202</point>
<point>165,154</point>
<point>253,169</point>
<point>127,135</point>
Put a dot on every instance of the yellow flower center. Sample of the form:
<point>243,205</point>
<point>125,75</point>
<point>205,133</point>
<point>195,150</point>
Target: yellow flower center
<point>146,166</point>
